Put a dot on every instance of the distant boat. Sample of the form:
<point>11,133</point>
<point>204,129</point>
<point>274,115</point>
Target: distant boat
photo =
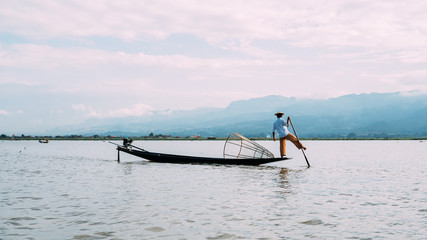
<point>238,150</point>
<point>43,140</point>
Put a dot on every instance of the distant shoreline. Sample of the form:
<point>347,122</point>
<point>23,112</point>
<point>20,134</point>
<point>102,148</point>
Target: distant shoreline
<point>198,139</point>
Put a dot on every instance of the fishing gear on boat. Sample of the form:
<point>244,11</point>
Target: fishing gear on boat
<point>238,146</point>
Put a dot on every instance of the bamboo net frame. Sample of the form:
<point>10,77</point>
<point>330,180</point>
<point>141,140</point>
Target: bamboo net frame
<point>238,146</point>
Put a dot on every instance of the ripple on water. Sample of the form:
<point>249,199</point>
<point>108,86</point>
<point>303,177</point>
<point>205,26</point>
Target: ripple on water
<point>313,222</point>
<point>84,237</point>
<point>77,190</point>
<point>155,229</point>
<point>105,234</point>
<point>225,236</point>
<point>22,218</point>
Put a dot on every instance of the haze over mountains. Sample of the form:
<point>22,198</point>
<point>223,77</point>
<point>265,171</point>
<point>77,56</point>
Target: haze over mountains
<point>364,115</point>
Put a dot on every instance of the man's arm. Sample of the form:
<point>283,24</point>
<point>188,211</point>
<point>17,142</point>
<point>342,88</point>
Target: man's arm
<point>274,136</point>
<point>287,122</point>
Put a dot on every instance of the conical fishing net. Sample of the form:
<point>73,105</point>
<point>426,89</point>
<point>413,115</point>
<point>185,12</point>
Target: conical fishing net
<point>237,146</point>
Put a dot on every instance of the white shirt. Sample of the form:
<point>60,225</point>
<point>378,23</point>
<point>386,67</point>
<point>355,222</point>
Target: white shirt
<point>280,126</point>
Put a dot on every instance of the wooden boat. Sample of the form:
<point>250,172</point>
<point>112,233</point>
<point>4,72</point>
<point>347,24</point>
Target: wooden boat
<point>171,158</point>
<point>238,150</point>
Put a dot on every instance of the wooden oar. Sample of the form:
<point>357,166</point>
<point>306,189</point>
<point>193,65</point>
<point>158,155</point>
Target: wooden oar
<point>296,135</point>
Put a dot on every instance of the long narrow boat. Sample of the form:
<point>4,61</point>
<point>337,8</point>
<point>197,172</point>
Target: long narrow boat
<point>238,150</point>
<point>171,158</point>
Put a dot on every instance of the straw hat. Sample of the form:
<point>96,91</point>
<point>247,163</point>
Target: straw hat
<point>279,113</point>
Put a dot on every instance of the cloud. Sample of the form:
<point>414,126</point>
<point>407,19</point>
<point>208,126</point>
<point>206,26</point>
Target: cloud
<point>186,54</point>
<point>46,57</point>
<point>7,113</point>
<point>385,24</point>
<point>4,112</point>
<point>406,81</point>
<point>130,20</point>
<point>138,110</point>
<point>7,80</point>
<point>88,111</point>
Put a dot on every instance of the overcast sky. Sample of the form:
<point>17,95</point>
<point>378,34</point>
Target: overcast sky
<point>62,62</point>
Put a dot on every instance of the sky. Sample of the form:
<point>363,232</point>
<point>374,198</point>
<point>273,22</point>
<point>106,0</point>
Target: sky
<point>64,62</point>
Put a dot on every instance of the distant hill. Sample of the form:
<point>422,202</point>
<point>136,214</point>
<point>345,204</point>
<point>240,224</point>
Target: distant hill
<point>363,115</point>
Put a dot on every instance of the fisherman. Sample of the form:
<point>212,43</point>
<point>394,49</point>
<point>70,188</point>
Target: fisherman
<point>282,129</point>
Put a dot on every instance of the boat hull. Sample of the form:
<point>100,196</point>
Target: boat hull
<point>171,158</point>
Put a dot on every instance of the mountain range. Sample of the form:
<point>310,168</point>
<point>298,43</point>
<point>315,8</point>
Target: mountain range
<point>356,115</point>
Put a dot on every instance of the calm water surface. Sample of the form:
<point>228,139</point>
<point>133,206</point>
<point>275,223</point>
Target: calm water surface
<point>77,190</point>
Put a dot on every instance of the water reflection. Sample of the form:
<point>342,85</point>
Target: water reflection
<point>127,167</point>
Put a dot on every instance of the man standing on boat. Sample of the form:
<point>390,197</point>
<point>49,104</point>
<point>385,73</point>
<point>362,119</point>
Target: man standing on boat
<point>282,130</point>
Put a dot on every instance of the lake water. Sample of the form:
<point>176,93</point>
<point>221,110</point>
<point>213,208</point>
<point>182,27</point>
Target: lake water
<point>78,190</point>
